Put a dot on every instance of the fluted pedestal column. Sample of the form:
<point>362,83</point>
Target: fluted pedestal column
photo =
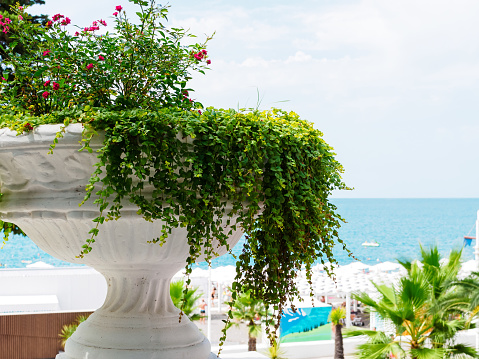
<point>137,318</point>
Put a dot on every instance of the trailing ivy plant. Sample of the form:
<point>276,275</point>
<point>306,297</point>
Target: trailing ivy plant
<point>267,173</point>
<point>272,167</point>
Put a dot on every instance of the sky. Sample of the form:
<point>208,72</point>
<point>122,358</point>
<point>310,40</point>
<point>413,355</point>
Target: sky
<point>393,85</point>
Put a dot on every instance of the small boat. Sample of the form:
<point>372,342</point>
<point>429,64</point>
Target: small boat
<point>370,244</point>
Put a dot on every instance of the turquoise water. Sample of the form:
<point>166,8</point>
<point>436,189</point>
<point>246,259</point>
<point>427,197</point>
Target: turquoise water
<point>397,224</point>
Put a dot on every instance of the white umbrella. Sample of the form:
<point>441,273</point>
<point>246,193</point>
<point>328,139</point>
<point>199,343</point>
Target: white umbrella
<point>386,266</point>
<point>223,274</point>
<point>198,272</point>
<point>39,264</point>
<point>469,266</point>
<point>356,266</point>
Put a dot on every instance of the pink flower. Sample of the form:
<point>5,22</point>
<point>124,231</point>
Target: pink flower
<point>208,62</point>
<point>47,83</point>
<point>28,127</point>
<point>49,23</point>
<point>46,53</point>
<point>45,94</point>
<point>56,86</point>
<point>101,58</point>
<point>77,33</point>
<point>7,20</point>
<point>4,79</point>
<point>118,8</point>
<point>5,29</point>
<point>20,8</point>
<point>66,21</point>
<point>94,23</point>
<point>204,51</point>
<point>103,22</point>
<point>199,111</point>
<point>20,17</point>
<point>115,13</point>
<point>89,66</point>
<point>57,17</point>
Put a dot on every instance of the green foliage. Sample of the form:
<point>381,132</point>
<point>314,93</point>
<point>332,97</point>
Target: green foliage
<point>251,310</point>
<point>425,308</point>
<point>469,290</point>
<point>267,173</point>
<point>140,65</point>
<point>185,298</point>
<point>68,329</point>
<point>6,37</point>
<point>275,351</point>
<point>336,315</point>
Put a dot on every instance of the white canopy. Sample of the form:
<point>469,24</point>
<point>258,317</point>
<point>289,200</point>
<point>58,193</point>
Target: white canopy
<point>39,264</point>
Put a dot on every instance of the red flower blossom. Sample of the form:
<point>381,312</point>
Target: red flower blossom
<point>46,94</point>
<point>27,127</point>
<point>57,17</point>
<point>118,8</point>
<point>89,66</point>
<point>66,21</point>
<point>101,58</point>
<point>56,86</point>
<point>115,13</point>
<point>47,83</point>
<point>208,62</point>
<point>103,22</point>
<point>49,23</point>
<point>46,53</point>
<point>77,33</point>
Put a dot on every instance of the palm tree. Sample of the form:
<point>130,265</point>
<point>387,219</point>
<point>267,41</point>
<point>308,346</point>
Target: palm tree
<point>337,315</point>
<point>250,310</point>
<point>419,307</point>
<point>69,329</point>
<point>185,300</point>
<point>469,288</point>
<point>274,351</point>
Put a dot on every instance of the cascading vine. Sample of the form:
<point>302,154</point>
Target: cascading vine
<point>271,170</point>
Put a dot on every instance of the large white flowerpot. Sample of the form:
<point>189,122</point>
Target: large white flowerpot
<point>41,194</point>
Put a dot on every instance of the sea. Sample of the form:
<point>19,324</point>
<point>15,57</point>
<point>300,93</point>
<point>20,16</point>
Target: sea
<point>400,226</point>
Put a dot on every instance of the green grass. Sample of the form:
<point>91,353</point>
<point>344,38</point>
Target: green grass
<point>321,333</point>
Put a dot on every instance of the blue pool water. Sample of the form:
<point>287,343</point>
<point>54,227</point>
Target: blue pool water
<point>397,224</point>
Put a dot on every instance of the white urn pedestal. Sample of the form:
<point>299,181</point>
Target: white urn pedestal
<point>41,194</point>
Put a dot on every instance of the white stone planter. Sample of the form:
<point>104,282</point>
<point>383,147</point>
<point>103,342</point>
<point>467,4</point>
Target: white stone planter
<point>138,318</point>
